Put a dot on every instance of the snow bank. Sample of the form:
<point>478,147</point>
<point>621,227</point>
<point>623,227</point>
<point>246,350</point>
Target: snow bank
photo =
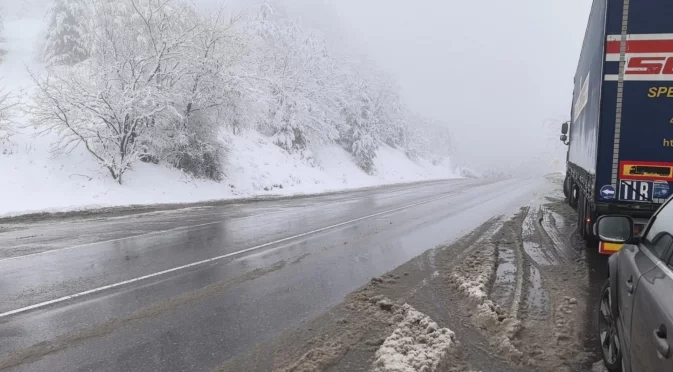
<point>417,344</point>
<point>35,180</point>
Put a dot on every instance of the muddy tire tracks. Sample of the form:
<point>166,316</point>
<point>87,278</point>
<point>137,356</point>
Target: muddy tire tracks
<point>556,301</point>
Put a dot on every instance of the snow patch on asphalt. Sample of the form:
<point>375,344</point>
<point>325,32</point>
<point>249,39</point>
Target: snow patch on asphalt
<point>473,278</point>
<point>417,344</point>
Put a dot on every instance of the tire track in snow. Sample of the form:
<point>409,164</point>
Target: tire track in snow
<point>532,237</point>
<point>473,277</point>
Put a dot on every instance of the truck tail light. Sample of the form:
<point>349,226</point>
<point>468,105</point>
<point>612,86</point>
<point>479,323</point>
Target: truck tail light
<point>637,229</point>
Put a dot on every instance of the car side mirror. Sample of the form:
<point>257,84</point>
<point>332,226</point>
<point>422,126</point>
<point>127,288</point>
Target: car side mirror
<point>614,229</point>
<point>564,138</point>
<point>564,128</point>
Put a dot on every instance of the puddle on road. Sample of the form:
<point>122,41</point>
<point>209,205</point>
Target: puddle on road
<point>537,297</point>
<point>532,241</point>
<point>502,292</point>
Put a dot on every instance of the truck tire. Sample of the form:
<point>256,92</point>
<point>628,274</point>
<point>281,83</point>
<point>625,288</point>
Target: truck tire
<point>574,195</point>
<point>580,215</point>
<point>566,186</point>
<point>571,195</point>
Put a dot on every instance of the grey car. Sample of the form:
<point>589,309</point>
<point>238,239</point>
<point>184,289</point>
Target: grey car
<point>636,306</point>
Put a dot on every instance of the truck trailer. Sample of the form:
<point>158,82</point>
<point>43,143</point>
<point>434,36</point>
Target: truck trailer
<point>620,136</point>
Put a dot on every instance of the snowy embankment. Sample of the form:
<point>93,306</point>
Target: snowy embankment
<point>34,179</point>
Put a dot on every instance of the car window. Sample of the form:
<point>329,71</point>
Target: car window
<point>658,237</point>
<point>659,244</point>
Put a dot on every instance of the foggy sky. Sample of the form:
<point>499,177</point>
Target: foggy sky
<point>500,73</point>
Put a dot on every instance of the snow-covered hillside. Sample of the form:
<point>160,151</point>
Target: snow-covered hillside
<point>36,179</point>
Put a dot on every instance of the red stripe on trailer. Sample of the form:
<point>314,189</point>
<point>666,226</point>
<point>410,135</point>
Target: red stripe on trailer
<point>641,46</point>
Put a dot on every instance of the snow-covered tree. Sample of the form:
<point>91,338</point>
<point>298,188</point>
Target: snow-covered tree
<point>360,137</point>
<point>66,41</point>
<point>7,105</point>
<point>119,104</point>
<point>83,109</point>
<point>296,67</point>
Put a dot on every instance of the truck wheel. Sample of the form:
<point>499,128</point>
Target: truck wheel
<point>572,195</point>
<point>566,187</point>
<point>580,215</point>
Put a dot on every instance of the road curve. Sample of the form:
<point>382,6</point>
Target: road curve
<point>189,289</point>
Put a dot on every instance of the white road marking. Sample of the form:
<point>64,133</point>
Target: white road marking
<point>119,284</point>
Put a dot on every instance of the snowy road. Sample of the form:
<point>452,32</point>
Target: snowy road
<point>190,289</point>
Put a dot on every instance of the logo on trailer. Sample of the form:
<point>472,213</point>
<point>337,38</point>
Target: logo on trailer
<point>608,192</point>
<point>660,190</point>
<point>648,57</point>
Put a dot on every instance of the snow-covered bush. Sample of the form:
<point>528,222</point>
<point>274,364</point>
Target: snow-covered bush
<point>196,151</point>
<point>201,158</point>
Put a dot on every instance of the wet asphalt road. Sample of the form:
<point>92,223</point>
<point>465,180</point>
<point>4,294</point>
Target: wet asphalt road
<point>185,290</point>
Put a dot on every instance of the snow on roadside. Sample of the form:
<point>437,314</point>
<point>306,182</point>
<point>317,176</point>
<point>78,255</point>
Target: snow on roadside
<point>35,181</point>
<point>417,344</point>
<point>472,278</point>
